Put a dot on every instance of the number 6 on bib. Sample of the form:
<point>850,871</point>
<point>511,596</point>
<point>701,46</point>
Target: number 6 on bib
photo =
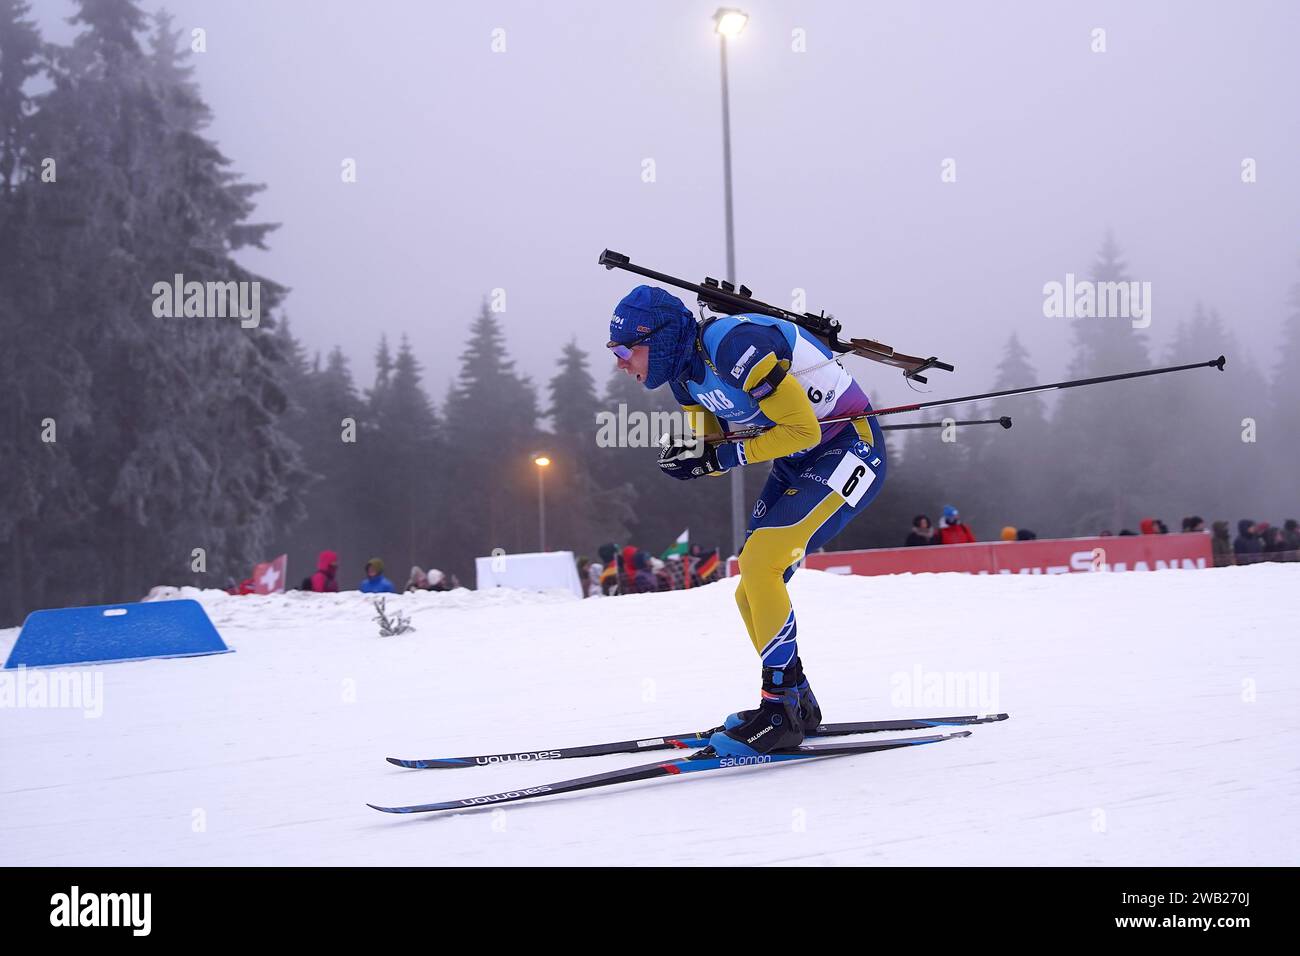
<point>853,475</point>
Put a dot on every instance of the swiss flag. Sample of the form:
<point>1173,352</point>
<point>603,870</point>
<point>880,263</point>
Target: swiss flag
<point>269,576</point>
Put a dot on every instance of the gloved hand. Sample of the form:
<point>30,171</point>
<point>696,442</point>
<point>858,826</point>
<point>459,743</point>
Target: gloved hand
<point>686,458</point>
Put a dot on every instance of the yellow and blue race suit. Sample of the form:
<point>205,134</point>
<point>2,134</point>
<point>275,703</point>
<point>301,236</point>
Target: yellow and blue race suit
<point>754,370</point>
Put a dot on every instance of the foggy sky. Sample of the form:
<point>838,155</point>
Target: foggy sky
<point>481,170</point>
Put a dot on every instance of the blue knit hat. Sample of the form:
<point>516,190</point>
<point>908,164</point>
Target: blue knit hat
<point>649,309</point>
<point>949,512</point>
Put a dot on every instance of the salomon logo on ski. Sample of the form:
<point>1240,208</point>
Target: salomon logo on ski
<point>509,758</point>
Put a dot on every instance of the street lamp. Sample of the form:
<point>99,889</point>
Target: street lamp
<point>541,461</point>
<point>728,23</point>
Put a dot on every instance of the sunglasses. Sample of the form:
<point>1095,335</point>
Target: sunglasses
<point>624,352</point>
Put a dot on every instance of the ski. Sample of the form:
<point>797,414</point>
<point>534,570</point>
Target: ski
<point>680,742</point>
<point>704,760</point>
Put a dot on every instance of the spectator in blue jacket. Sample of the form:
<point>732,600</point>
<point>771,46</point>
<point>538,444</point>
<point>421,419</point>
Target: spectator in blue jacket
<point>375,582</point>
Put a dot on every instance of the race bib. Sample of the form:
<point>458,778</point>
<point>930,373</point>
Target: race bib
<point>851,478</point>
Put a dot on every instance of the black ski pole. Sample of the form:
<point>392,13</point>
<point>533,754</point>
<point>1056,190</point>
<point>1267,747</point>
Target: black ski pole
<point>1004,421</point>
<point>1030,389</point>
<point>1027,390</point>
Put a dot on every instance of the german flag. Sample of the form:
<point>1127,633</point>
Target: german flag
<point>707,564</point>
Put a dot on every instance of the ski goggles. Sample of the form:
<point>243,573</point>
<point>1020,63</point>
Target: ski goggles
<point>624,351</point>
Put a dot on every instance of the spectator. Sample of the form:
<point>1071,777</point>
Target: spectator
<point>1024,534</point>
<point>1127,533</point>
<point>1247,547</point>
<point>702,566</point>
<point>951,529</point>
<point>1274,543</point>
<point>1150,526</point>
<point>1291,535</point>
<point>375,582</point>
<point>591,584</point>
<point>589,576</point>
<point>627,570</point>
<point>1008,533</point>
<point>1106,533</point>
<point>609,571</point>
<point>675,572</point>
<point>641,580</point>
<point>1161,527</point>
<point>326,576</point>
<point>1194,525</point>
<point>663,577</point>
<point>438,581</point>
<point>418,581</point>
<point>1221,546</point>
<point>609,578</point>
<point>922,532</point>
<point>645,572</point>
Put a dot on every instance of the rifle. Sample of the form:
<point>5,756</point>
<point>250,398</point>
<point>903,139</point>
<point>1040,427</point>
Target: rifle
<point>724,298</point>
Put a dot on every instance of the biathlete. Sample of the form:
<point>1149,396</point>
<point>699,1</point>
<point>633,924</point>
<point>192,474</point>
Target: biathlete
<point>742,371</point>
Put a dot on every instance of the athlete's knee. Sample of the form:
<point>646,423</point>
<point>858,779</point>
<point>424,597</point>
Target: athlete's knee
<point>767,555</point>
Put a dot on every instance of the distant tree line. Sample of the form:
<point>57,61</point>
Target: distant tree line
<point>140,450</point>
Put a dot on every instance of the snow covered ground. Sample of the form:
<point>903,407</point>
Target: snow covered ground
<point>1153,721</point>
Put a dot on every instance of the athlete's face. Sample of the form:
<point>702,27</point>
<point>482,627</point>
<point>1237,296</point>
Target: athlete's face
<point>638,365</point>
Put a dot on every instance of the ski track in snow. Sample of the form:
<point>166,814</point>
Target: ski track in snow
<point>1131,741</point>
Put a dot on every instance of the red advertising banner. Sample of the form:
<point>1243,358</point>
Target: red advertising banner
<point>1148,552</point>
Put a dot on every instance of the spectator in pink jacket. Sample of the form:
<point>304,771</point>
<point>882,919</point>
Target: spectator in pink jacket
<point>326,576</point>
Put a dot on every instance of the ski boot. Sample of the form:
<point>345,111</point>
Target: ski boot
<point>774,725</point>
<point>810,712</point>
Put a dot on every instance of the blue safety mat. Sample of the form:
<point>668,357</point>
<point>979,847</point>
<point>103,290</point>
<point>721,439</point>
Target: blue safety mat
<point>115,632</point>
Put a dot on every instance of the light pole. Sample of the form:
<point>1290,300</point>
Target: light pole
<point>729,22</point>
<point>541,461</point>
